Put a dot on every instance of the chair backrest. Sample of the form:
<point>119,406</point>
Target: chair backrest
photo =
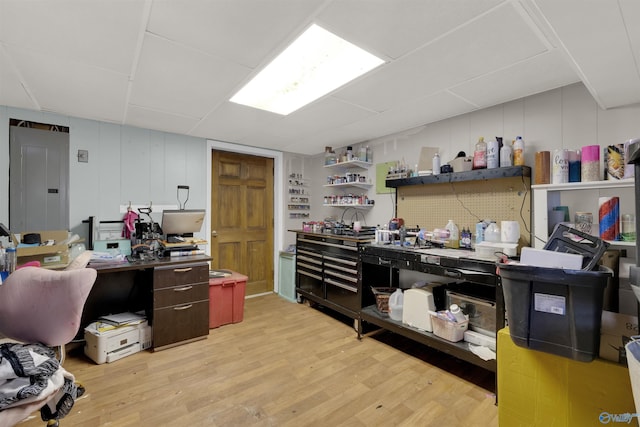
<point>44,306</point>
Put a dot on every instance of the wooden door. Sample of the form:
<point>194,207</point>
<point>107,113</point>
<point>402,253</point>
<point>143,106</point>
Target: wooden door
<point>242,217</point>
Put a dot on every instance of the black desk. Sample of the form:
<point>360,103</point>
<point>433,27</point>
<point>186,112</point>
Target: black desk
<point>173,292</point>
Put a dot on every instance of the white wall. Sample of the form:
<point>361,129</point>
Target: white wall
<point>142,166</point>
<point>125,165</point>
<point>567,117</point>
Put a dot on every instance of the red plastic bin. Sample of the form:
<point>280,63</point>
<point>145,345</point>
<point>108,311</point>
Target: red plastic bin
<point>226,299</point>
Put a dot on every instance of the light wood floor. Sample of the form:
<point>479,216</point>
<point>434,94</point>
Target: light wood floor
<point>285,364</point>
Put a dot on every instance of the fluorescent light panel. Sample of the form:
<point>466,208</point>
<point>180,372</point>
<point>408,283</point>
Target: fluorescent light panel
<point>316,63</point>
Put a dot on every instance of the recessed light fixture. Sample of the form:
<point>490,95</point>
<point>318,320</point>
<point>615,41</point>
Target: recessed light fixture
<point>313,65</point>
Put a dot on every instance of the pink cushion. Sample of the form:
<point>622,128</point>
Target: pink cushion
<point>45,306</point>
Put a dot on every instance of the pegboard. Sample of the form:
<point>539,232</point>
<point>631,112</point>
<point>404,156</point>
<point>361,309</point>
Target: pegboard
<point>431,205</point>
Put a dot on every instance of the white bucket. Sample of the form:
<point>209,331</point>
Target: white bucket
<point>396,301</point>
<point>633,361</point>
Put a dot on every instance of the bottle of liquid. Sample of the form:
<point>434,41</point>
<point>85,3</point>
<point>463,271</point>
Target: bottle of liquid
<point>454,234</point>
<point>11,259</point>
<point>369,155</point>
<point>518,152</point>
<point>506,155</point>
<point>457,313</point>
<point>480,155</point>
<point>349,154</point>
<point>436,164</point>
<point>493,154</point>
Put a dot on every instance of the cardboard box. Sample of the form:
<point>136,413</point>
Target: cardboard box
<point>48,256</point>
<point>615,332</point>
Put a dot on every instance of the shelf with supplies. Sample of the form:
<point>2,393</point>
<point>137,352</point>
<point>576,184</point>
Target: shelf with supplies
<point>299,202</point>
<point>363,185</point>
<point>348,177</point>
<point>580,197</point>
<point>472,175</point>
<point>344,205</point>
<point>350,164</point>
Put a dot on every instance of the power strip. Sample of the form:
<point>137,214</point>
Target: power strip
<point>477,338</point>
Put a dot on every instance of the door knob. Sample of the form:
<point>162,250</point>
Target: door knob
<point>214,233</point>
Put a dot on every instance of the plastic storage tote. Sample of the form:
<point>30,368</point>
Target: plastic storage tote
<point>226,299</point>
<point>554,310</point>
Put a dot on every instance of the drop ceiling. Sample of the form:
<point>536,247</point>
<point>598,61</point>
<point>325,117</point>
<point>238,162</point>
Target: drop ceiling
<point>172,65</point>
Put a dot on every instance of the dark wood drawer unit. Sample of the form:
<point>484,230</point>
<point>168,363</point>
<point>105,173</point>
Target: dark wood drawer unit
<point>180,304</point>
<point>166,277</point>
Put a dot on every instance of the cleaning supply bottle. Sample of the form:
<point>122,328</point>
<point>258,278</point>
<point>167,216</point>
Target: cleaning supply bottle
<point>396,303</point>
<point>480,154</point>
<point>436,164</point>
<point>454,234</point>
<point>518,152</point>
<point>457,313</point>
<point>506,155</point>
<point>493,154</point>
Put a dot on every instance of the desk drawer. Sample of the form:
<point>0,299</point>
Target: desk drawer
<point>171,325</point>
<point>186,274</point>
<point>180,295</point>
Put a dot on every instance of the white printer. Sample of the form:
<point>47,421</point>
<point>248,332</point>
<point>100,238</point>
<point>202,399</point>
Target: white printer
<point>110,341</point>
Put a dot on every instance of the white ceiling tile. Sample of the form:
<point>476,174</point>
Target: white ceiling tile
<point>231,122</point>
<point>334,113</point>
<point>102,33</point>
<point>72,88</point>
<point>220,27</point>
<point>611,74</point>
<point>158,120</point>
<point>415,113</point>
<point>464,54</point>
<point>176,79</point>
<point>543,72</point>
<point>395,28</point>
<point>11,90</point>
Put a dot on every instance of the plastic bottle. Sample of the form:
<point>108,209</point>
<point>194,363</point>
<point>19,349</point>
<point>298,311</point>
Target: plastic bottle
<point>457,313</point>
<point>454,234</point>
<point>506,155</point>
<point>493,154</point>
<point>349,154</point>
<point>518,152</point>
<point>369,155</point>
<point>396,302</point>
<point>436,164</point>
<point>492,233</point>
<point>11,260</point>
<point>480,154</point>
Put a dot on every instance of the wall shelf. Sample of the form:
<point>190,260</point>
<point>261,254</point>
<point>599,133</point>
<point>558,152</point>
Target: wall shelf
<point>473,175</point>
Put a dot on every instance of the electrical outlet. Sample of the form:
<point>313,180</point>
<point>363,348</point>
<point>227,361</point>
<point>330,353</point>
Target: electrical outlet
<point>83,156</point>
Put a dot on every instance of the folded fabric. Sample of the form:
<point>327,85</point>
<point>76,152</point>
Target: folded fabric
<point>31,377</point>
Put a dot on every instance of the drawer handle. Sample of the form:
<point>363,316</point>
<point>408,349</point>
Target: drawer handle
<point>182,270</point>
<point>184,307</point>
<point>184,288</point>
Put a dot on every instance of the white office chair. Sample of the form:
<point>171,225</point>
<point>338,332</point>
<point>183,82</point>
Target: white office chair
<point>40,308</point>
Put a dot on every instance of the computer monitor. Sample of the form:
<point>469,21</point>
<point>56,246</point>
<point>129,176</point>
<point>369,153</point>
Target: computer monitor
<point>181,223</point>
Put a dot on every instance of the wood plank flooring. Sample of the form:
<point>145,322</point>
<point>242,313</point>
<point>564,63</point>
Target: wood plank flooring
<point>285,364</point>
